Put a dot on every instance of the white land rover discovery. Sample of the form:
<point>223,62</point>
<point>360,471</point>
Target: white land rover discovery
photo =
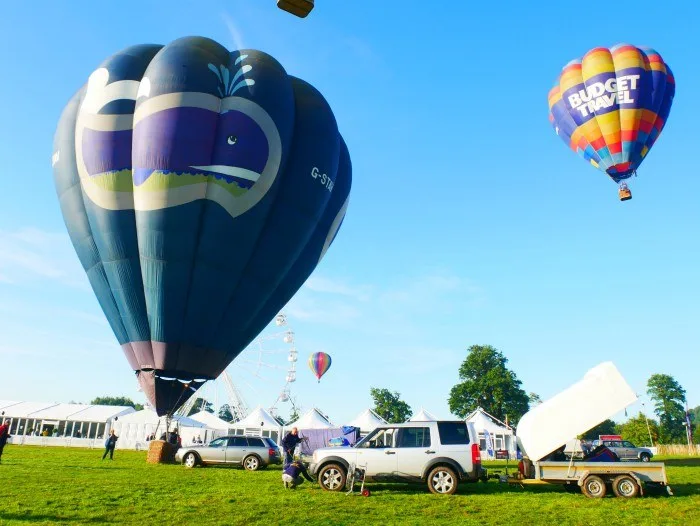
<point>439,453</point>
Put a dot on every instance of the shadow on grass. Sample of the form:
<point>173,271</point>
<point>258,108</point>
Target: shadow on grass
<point>31,517</point>
<point>682,462</point>
<point>494,488</point>
<point>104,467</point>
<point>681,490</point>
<point>478,488</point>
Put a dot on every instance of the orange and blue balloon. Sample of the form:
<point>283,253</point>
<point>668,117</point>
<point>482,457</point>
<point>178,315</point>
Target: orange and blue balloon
<point>319,363</point>
<point>611,105</point>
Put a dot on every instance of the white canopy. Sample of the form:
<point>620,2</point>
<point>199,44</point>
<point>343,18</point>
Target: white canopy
<point>423,416</point>
<point>258,417</point>
<point>148,416</point>
<point>7,403</point>
<point>599,395</point>
<point>134,428</point>
<point>483,421</point>
<point>25,409</point>
<point>63,412</point>
<point>211,421</point>
<point>367,420</point>
<point>313,419</point>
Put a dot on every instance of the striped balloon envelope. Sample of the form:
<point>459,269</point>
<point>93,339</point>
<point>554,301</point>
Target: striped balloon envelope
<point>611,105</point>
<point>319,363</point>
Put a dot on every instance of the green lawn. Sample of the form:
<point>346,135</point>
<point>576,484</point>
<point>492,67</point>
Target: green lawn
<point>73,486</point>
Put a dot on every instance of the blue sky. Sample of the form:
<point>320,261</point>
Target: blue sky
<point>470,222</point>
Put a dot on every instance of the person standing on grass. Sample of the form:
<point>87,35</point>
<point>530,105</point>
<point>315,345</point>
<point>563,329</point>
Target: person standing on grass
<point>289,443</point>
<point>4,435</point>
<point>110,444</point>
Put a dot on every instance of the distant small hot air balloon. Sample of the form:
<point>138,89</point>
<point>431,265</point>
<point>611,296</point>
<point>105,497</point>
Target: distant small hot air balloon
<point>610,107</point>
<point>319,363</point>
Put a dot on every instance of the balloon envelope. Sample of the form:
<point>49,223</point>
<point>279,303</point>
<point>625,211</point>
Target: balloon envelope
<point>200,188</point>
<point>319,363</point>
<point>611,105</point>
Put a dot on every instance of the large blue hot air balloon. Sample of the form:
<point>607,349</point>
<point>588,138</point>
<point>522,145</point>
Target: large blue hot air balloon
<point>200,188</point>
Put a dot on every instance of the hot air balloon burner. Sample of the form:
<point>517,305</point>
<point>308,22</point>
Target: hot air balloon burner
<point>300,8</point>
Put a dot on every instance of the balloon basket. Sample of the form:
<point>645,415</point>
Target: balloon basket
<point>624,193</point>
<point>160,452</point>
<point>299,8</point>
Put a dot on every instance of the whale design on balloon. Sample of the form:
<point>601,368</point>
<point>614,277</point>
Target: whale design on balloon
<point>200,188</point>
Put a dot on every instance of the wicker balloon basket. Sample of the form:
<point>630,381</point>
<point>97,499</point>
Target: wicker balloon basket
<point>160,452</point>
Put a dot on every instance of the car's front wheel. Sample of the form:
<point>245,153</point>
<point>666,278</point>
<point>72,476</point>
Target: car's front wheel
<point>442,481</point>
<point>251,463</point>
<point>190,460</point>
<point>332,477</point>
<point>645,457</point>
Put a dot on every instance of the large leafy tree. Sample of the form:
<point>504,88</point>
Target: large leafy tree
<point>489,384</point>
<point>606,427</point>
<point>294,415</point>
<point>695,421</point>
<point>637,430</point>
<point>225,413</point>
<point>116,400</point>
<point>669,405</point>
<point>389,406</point>
<point>534,399</point>
<point>200,404</point>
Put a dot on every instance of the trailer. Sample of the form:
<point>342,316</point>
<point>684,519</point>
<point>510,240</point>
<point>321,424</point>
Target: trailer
<point>544,431</point>
<point>594,479</point>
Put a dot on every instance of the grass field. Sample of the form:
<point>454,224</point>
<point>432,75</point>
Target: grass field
<point>54,485</point>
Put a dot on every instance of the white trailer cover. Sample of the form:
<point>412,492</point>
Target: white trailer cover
<point>599,395</point>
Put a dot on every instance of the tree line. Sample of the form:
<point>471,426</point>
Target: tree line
<point>486,382</point>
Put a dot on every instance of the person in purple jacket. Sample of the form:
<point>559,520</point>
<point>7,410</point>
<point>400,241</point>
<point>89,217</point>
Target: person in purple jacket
<point>291,476</point>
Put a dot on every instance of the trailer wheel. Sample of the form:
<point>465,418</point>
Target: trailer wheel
<point>625,486</point>
<point>594,487</point>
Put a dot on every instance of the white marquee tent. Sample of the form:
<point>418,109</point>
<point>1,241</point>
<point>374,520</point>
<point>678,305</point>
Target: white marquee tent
<point>50,423</point>
<point>423,416</point>
<point>367,420</point>
<point>258,423</point>
<point>312,419</point>
<point>220,427</point>
<point>133,429</point>
<point>502,436</point>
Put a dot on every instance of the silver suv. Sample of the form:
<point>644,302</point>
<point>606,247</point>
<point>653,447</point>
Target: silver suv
<point>626,450</point>
<point>440,454</point>
<point>252,453</point>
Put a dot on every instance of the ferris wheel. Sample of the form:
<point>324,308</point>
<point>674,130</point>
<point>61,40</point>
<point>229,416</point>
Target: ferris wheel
<point>262,374</point>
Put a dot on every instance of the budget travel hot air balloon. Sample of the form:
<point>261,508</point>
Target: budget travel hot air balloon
<point>200,188</point>
<point>319,363</point>
<point>610,107</point>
